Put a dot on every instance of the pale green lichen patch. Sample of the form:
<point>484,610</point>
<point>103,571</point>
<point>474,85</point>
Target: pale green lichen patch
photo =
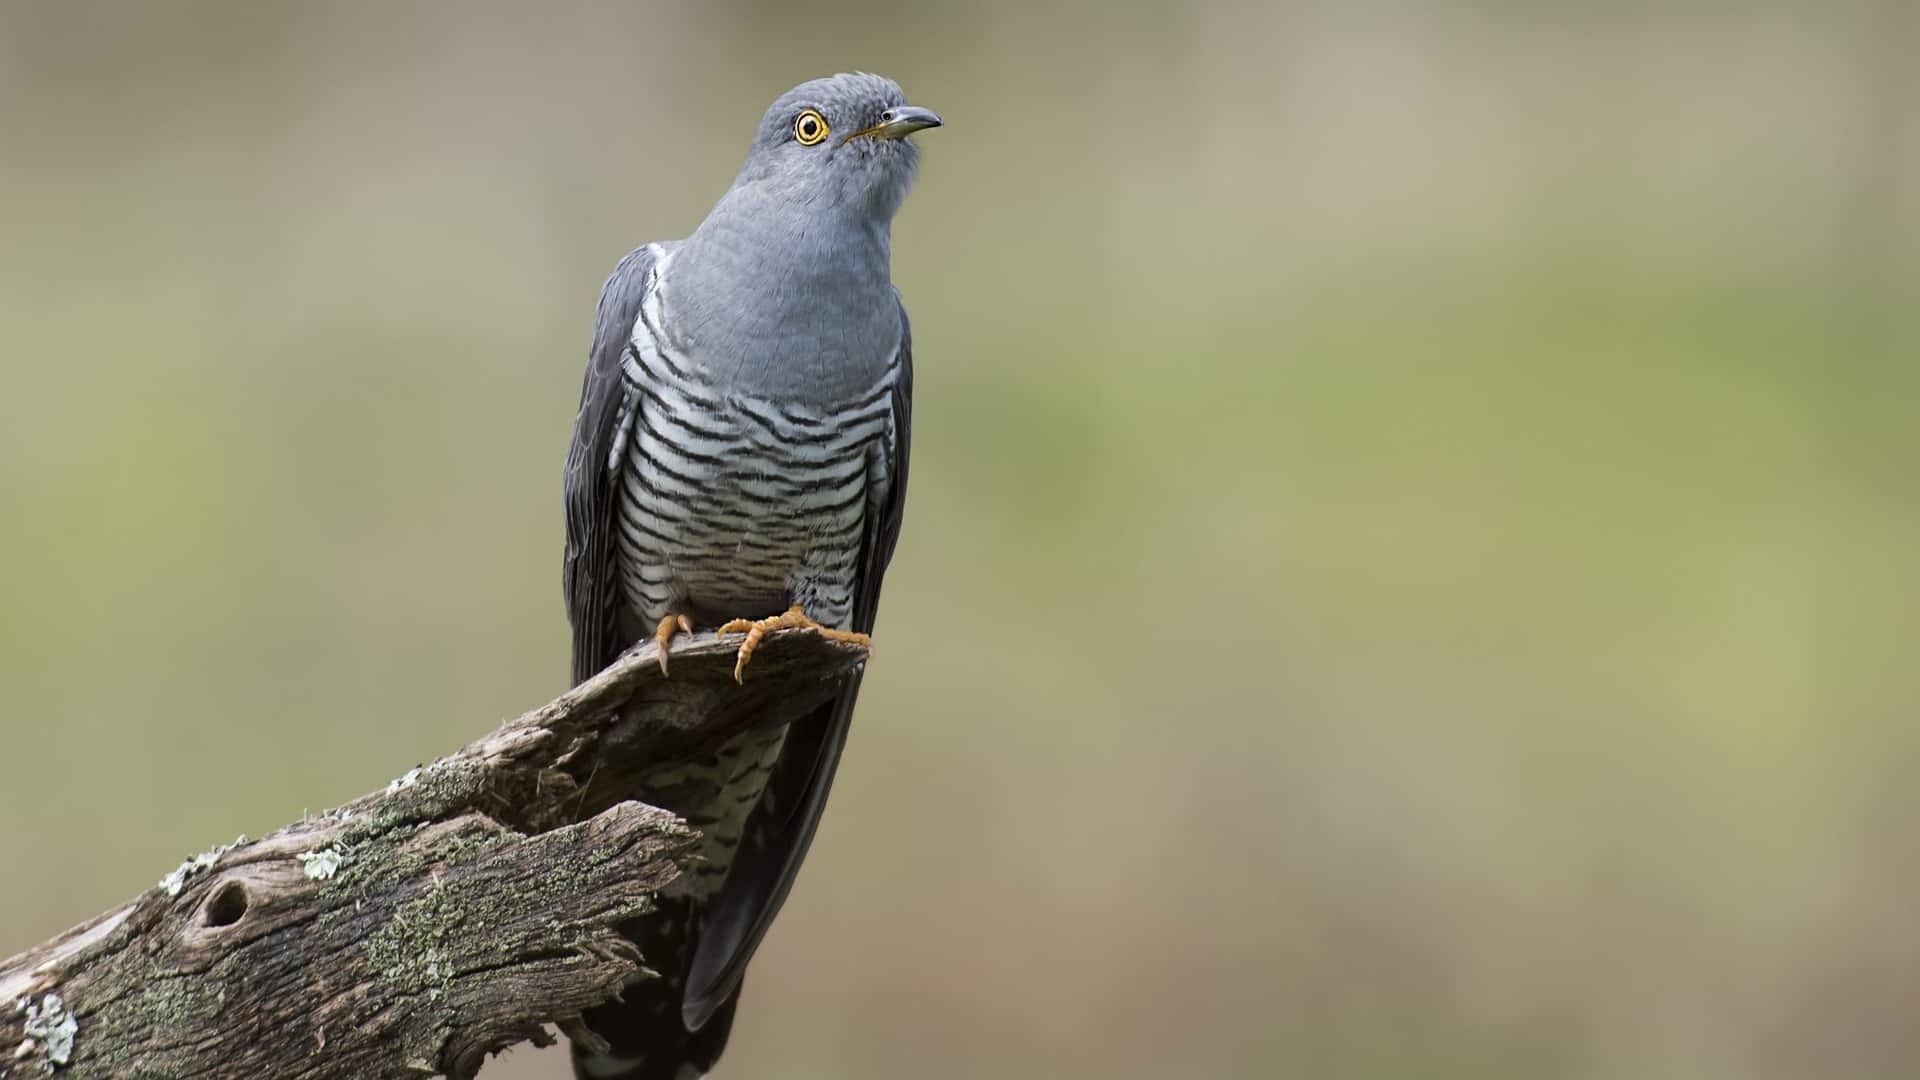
<point>453,928</point>
<point>429,793</point>
<point>413,951</point>
<point>448,784</point>
<point>156,1000</point>
<point>408,949</point>
<point>176,1002</point>
<point>321,865</point>
<point>176,879</point>
<point>50,1028</point>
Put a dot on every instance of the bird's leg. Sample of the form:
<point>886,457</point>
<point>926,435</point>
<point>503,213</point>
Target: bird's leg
<point>665,632</point>
<point>791,619</point>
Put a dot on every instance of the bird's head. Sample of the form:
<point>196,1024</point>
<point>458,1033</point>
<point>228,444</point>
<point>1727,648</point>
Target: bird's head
<point>838,143</point>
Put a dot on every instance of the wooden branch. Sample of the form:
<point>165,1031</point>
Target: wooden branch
<point>419,928</point>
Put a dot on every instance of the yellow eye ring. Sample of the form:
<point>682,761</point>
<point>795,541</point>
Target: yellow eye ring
<point>809,128</point>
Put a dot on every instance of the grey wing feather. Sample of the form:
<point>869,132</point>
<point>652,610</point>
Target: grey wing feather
<point>886,531</point>
<point>783,824</point>
<point>591,577</point>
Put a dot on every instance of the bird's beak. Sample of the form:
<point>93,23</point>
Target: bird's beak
<point>899,123</point>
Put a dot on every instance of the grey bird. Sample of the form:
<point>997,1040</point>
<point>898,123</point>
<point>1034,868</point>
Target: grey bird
<point>739,462</point>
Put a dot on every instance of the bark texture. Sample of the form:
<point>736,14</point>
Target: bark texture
<point>461,909</point>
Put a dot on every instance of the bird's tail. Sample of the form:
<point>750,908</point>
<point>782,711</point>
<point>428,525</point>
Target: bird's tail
<point>645,1034</point>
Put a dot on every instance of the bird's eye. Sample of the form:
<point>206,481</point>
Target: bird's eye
<point>809,128</point>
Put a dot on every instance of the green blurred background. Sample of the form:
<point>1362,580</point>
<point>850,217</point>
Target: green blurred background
<point>1411,563</point>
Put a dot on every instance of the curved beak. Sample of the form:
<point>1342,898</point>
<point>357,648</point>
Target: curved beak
<point>900,123</point>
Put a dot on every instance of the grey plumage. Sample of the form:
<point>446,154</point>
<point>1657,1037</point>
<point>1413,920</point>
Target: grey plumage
<point>741,446</point>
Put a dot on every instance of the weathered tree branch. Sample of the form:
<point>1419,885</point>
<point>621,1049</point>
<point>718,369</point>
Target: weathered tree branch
<point>419,928</point>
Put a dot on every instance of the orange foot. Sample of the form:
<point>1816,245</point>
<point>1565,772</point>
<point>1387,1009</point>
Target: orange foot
<point>664,634</point>
<point>792,619</point>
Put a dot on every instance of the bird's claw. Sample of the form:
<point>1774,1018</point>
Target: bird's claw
<point>791,619</point>
<point>664,634</point>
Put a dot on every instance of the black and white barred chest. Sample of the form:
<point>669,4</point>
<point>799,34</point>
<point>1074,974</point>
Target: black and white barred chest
<point>737,506</point>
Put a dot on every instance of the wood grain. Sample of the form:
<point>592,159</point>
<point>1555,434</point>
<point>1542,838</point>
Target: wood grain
<point>463,908</point>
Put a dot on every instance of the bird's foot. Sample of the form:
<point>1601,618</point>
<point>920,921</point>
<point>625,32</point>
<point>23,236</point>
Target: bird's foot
<point>664,634</point>
<point>791,619</point>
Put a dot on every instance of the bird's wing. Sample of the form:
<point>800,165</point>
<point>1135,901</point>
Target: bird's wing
<point>592,580</point>
<point>783,823</point>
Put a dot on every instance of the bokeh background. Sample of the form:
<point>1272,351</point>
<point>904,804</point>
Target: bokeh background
<point>1411,563</point>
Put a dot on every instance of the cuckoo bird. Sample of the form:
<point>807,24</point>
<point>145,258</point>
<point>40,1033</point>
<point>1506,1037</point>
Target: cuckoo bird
<point>739,462</point>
